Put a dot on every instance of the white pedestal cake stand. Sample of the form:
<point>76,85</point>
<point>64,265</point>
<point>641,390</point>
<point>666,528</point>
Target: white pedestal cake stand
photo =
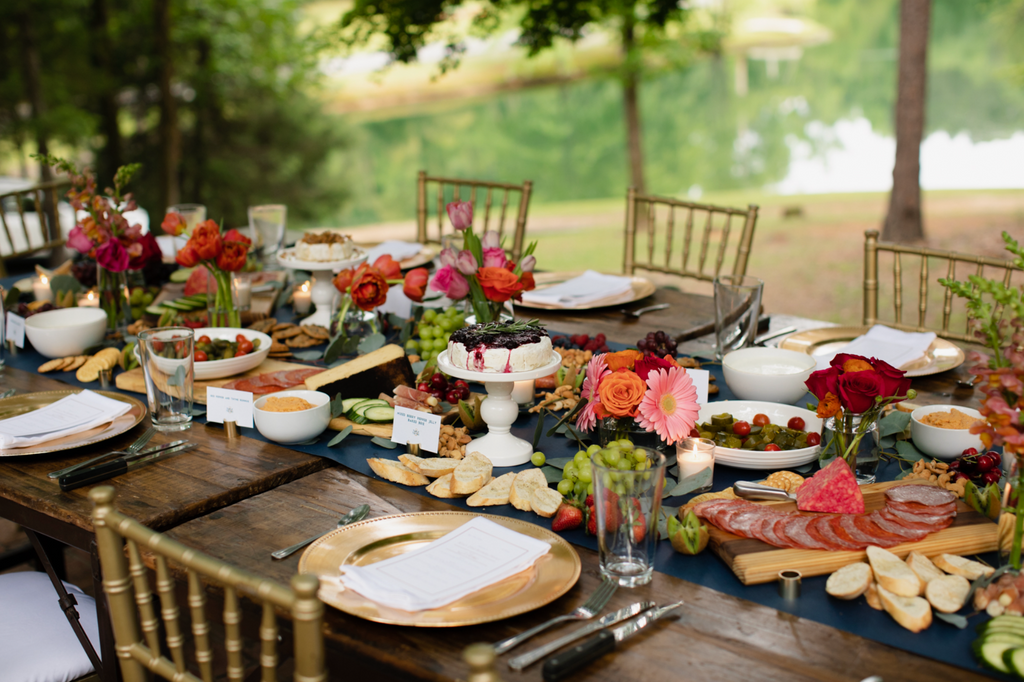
<point>499,411</point>
<point>323,291</point>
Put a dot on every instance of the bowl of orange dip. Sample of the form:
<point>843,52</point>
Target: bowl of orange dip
<point>944,431</point>
<point>292,416</point>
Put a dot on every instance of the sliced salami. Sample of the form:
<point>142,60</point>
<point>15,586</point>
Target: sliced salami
<point>795,530</point>
<point>917,508</point>
<point>929,495</point>
<point>866,524</point>
<point>298,376</point>
<point>722,516</point>
<point>768,530</point>
<point>827,527</point>
<point>814,529</point>
<point>848,523</point>
<point>910,534</point>
<point>926,519</point>
<point>757,528</point>
<point>704,509</point>
<point>839,527</point>
<point>741,522</point>
<point>916,524</point>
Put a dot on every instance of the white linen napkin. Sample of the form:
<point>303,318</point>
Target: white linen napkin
<point>69,415</point>
<point>885,343</point>
<point>396,249</point>
<point>477,554</point>
<point>589,287</point>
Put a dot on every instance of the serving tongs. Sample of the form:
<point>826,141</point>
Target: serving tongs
<point>756,491</point>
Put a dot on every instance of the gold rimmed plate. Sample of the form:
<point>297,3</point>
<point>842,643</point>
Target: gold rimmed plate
<point>941,356</point>
<point>373,540</point>
<point>641,288</point>
<point>30,402</point>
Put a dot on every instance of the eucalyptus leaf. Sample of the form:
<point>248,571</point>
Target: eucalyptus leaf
<point>384,442</point>
<point>954,619</point>
<point>406,332</point>
<point>552,474</point>
<point>178,378</point>
<point>395,321</point>
<point>539,431</point>
<point>887,442</point>
<point>559,462</point>
<point>691,483</point>
<point>336,406</point>
<point>418,366</point>
<point>197,411</point>
<point>805,469</point>
<point>335,349</point>
<point>893,423</point>
<point>308,355</point>
<point>576,434</point>
<point>908,451</point>
<point>371,343</point>
<point>342,435</point>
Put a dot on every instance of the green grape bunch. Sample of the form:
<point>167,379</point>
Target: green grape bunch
<point>577,476</point>
<point>433,331</point>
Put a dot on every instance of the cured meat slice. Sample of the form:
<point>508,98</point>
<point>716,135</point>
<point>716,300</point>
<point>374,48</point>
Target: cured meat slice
<point>298,376</point>
<point>742,522</point>
<point>768,530</point>
<point>848,524</point>
<point>704,509</point>
<point>411,404</point>
<point>865,523</point>
<point>721,515</point>
<point>913,524</point>
<point>794,529</point>
<point>911,534</point>
<point>926,519</point>
<point>827,527</point>
<point>757,528</point>
<point>916,508</point>
<point>415,394</point>
<point>814,529</point>
<point>838,525</point>
<point>385,397</point>
<point>929,495</point>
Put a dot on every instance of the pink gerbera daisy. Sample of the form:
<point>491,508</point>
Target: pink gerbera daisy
<point>669,407</point>
<point>597,369</point>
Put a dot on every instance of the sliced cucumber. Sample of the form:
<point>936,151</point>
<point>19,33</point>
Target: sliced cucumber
<point>157,310</point>
<point>177,305</point>
<point>362,407</point>
<point>380,414</point>
<point>181,275</point>
<point>1013,624</point>
<point>991,653</point>
<point>1013,638</point>
<point>348,403</point>
<point>198,298</point>
<point>1014,660</point>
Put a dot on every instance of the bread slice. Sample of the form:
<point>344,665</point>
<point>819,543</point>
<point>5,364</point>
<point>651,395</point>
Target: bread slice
<point>958,565</point>
<point>850,581</point>
<point>913,613</point>
<point>892,573</point>
<point>871,595</point>
<point>434,467</point>
<point>521,495</point>
<point>495,492</point>
<point>441,487</point>
<point>471,474</point>
<point>396,472</point>
<point>948,593</point>
<point>924,568</point>
<point>546,501</point>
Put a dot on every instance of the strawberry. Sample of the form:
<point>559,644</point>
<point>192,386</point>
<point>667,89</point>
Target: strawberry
<point>639,529</point>
<point>568,517</point>
<point>589,501</point>
<point>591,521</point>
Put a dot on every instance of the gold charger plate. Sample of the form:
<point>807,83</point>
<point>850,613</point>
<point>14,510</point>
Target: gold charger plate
<point>29,402</point>
<point>642,288</point>
<point>941,356</point>
<point>374,540</point>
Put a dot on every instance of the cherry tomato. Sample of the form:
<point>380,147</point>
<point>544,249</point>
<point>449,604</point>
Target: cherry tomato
<point>240,337</point>
<point>200,356</point>
<point>969,452</point>
<point>741,428</point>
<point>158,346</point>
<point>240,354</point>
<point>813,439</point>
<point>245,346</point>
<point>771,447</point>
<point>796,423</point>
<point>179,349</point>
<point>205,339</point>
<point>761,420</point>
<point>694,433</point>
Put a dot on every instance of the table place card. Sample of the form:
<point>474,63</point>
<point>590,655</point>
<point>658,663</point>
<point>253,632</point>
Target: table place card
<point>700,378</point>
<point>418,428</point>
<point>225,405</point>
<point>15,329</point>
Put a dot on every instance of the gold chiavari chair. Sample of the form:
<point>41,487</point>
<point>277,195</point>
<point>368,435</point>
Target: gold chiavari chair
<point>711,240</point>
<point>494,203</point>
<point>136,621</point>
<point>928,289</point>
<point>39,228</point>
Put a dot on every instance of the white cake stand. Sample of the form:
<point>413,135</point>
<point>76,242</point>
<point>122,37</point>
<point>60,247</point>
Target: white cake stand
<point>323,291</point>
<point>499,411</point>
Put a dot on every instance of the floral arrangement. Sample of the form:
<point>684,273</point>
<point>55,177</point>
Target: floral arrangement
<point>654,393</point>
<point>996,314</point>
<point>480,272</point>
<point>856,389</point>
<point>219,254</point>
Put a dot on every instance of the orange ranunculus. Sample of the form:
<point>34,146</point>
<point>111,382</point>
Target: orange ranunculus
<point>206,240</point>
<point>343,280</point>
<point>621,393</point>
<point>829,406</point>
<point>857,365</point>
<point>369,289</point>
<point>388,267</point>
<point>624,359</point>
<point>416,284</point>
<point>498,284</point>
<point>233,257</point>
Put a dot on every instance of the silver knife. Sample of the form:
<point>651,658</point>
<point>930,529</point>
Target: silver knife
<point>116,467</point>
<point>560,666</point>
<point>530,657</point>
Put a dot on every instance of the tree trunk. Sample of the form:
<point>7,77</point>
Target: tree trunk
<point>110,157</point>
<point>630,85</point>
<point>903,222</point>
<point>32,73</point>
<point>170,136</point>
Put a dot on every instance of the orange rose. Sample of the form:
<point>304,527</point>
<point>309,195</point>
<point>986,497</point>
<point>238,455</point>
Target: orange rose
<point>621,393</point>
<point>369,289</point>
<point>498,284</point>
<point>624,359</point>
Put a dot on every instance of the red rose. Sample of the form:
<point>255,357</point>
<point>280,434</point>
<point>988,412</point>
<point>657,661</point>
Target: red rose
<point>388,267</point>
<point>149,251</point>
<point>233,257</point>
<point>498,284</point>
<point>416,284</point>
<point>823,382</point>
<point>206,240</point>
<point>369,289</point>
<point>851,363</point>
<point>857,390</point>
<point>894,381</point>
<point>527,281</point>
<point>648,364</point>
<point>187,256</point>
<point>343,280</point>
<point>234,235</point>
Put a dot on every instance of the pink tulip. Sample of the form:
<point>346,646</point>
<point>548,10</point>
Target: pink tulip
<point>490,240</point>
<point>461,214</point>
<point>466,263</point>
<point>449,282</point>
<point>448,257</point>
<point>494,258</point>
<point>528,264</point>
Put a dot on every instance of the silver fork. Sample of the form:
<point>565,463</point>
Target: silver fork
<point>588,610</point>
<point>130,450</point>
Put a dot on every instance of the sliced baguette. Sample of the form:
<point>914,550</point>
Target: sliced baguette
<point>441,487</point>
<point>526,483</point>
<point>850,581</point>
<point>546,501</point>
<point>396,472</point>
<point>495,492</point>
<point>913,613</point>
<point>923,567</point>
<point>434,467</point>
<point>871,595</point>
<point>948,593</point>
<point>471,474</point>
<point>958,565</point>
<point>892,573</point>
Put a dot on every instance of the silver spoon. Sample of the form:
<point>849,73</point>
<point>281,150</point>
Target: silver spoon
<point>356,514</point>
<point>640,311</point>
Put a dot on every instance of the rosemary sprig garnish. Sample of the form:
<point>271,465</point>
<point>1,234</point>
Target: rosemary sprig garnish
<point>514,327</point>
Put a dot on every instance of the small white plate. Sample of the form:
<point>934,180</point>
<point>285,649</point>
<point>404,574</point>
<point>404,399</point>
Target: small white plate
<point>778,414</point>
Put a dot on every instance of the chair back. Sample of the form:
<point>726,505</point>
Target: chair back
<point>137,621</point>
<point>31,221</point>
<point>924,288</point>
<point>681,238</point>
<point>496,198</point>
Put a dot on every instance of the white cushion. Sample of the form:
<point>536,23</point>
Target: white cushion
<point>37,643</point>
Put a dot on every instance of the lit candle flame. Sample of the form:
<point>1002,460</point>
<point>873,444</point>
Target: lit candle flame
<point>90,295</point>
<point>43,279</point>
<point>305,287</point>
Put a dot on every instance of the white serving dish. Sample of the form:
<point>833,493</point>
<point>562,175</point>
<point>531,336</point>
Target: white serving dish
<point>293,427</point>
<point>770,374</point>
<point>942,443</point>
<point>778,414</point>
<point>218,369</point>
<point>66,331</point>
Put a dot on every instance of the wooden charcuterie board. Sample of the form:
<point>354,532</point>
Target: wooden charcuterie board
<point>372,430</point>
<point>135,382</point>
<point>756,562</point>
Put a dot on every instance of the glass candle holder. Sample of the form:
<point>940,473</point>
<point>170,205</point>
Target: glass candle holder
<point>694,455</point>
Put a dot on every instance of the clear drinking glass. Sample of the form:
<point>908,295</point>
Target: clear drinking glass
<point>192,213</point>
<point>166,354</point>
<point>266,224</point>
<point>627,503</point>
<point>737,307</point>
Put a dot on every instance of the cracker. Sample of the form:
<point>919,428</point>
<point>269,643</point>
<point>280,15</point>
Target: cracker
<point>784,480</point>
<point>53,365</point>
<point>302,341</point>
<point>108,358</point>
<point>90,371</point>
<point>76,362</point>
<point>726,494</point>
<point>286,333</point>
<point>315,331</point>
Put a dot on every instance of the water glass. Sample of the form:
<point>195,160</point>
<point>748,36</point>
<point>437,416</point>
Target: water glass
<point>627,503</point>
<point>737,307</point>
<point>695,455</point>
<point>193,214</point>
<point>266,225</point>
<point>166,354</point>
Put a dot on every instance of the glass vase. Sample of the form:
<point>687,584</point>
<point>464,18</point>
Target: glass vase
<point>617,428</point>
<point>491,311</point>
<point>861,454</point>
<point>221,310</point>
<point>112,288</point>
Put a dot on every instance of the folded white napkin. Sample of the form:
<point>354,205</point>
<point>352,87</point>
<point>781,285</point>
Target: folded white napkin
<point>475,555</point>
<point>69,415</point>
<point>396,249</point>
<point>589,287</point>
<point>896,347</point>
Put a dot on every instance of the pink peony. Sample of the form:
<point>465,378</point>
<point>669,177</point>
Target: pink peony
<point>449,282</point>
<point>494,258</point>
<point>461,214</point>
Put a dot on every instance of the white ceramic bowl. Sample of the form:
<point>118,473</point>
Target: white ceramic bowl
<point>778,414</point>
<point>218,369</point>
<point>770,374</point>
<point>942,443</point>
<point>293,427</point>
<point>67,331</point>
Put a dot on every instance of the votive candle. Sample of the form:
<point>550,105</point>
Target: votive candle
<point>302,299</point>
<point>694,455</point>
<point>522,392</point>
<point>41,289</point>
<point>90,300</point>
